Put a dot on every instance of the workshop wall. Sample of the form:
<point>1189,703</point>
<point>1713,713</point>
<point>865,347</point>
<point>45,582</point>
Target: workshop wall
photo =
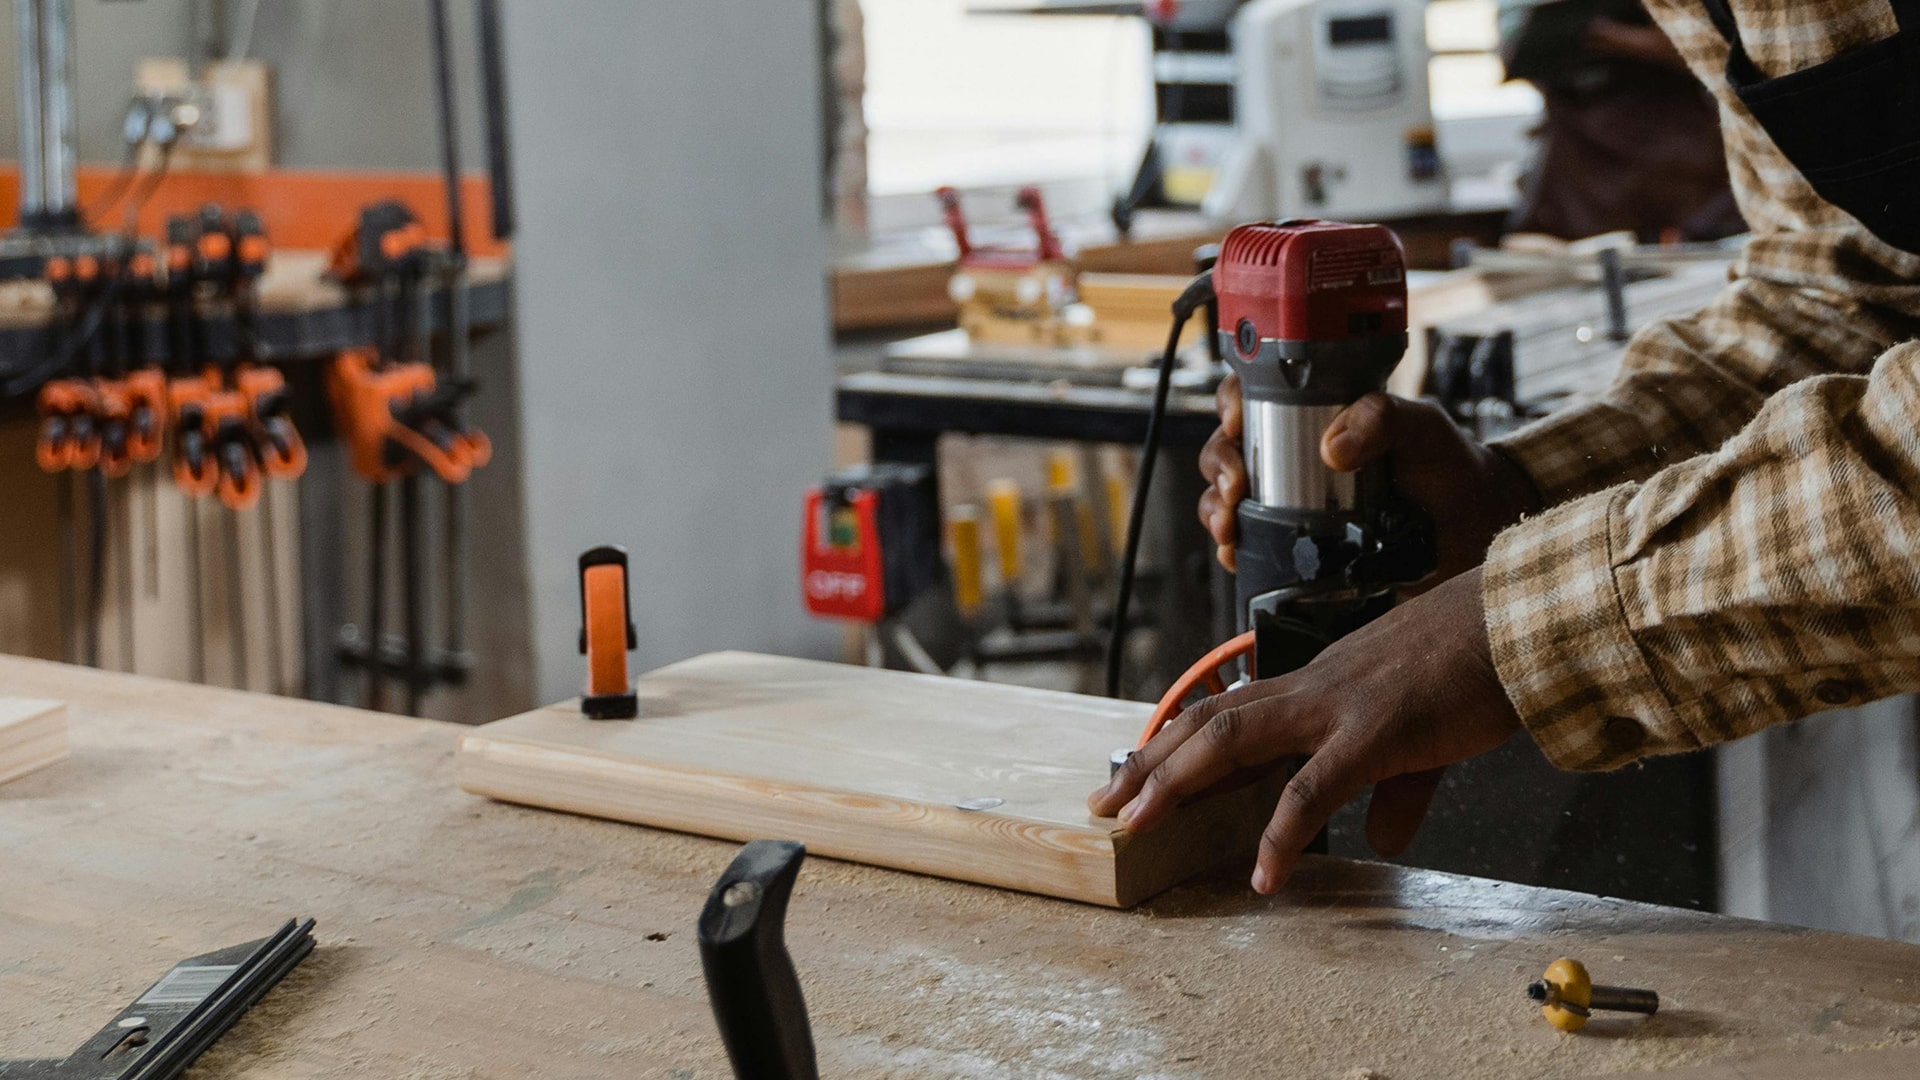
<point>675,385</point>
<point>360,70</point>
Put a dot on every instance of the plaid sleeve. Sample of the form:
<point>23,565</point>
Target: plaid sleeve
<point>1688,383</point>
<point>1814,294</point>
<point>1773,578</point>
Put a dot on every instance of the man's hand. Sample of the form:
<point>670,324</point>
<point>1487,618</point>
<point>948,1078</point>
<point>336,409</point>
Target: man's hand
<point>1471,490</point>
<point>1391,704</point>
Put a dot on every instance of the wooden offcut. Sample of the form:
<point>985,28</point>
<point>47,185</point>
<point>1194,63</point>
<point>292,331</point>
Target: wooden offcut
<point>966,780</point>
<point>1135,310</point>
<point>33,735</point>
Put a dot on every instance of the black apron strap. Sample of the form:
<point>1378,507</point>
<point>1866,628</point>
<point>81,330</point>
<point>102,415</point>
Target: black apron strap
<point>1722,18</point>
<point>1740,68</point>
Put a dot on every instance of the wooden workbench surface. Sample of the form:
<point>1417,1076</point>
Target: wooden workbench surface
<point>462,938</point>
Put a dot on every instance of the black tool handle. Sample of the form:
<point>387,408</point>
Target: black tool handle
<point>750,977</point>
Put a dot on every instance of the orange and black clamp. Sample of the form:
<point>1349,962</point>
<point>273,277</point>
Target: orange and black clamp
<point>146,425</point>
<point>231,446</point>
<point>282,452</point>
<point>607,634</point>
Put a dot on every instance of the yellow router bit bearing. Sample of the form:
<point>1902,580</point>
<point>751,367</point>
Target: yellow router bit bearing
<point>1568,997</point>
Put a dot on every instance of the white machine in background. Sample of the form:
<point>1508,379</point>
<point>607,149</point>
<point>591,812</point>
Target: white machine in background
<point>1331,114</point>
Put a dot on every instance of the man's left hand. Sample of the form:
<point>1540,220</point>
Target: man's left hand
<point>1391,704</point>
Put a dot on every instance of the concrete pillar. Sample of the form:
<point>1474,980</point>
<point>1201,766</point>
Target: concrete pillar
<point>675,384</point>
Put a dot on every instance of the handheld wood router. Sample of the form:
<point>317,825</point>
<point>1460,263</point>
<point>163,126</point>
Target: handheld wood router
<point>1313,316</point>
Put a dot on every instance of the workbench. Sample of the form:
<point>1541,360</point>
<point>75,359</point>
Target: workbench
<point>464,938</point>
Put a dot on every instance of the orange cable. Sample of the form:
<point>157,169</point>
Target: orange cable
<point>1205,672</point>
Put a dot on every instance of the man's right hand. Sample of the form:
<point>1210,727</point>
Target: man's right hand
<point>1471,490</point>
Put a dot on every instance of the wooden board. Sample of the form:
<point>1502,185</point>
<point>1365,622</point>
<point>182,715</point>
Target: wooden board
<point>464,939</point>
<point>1133,311</point>
<point>33,735</point>
<point>876,294</point>
<point>967,780</point>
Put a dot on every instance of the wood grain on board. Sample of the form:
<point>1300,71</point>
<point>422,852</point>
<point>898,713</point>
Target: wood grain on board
<point>959,779</point>
<point>33,735</point>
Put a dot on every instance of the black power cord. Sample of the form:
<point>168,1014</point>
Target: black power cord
<point>1197,294</point>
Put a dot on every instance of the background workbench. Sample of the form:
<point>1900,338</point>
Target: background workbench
<point>463,938</point>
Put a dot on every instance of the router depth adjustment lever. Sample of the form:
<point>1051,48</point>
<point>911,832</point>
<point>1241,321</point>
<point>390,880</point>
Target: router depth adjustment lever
<point>1313,316</point>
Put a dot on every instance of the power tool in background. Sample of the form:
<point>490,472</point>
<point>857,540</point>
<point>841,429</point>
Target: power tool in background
<point>870,544</point>
<point>1312,316</point>
<point>1016,295</point>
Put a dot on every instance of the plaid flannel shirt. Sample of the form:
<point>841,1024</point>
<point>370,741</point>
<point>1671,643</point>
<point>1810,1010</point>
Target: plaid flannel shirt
<point>1736,540</point>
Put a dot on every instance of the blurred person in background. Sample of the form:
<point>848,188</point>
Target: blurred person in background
<point>1630,140</point>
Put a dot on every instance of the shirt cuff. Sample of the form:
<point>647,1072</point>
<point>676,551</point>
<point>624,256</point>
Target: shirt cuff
<point>1563,647</point>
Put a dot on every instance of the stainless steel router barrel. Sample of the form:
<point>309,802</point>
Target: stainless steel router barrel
<point>1283,458</point>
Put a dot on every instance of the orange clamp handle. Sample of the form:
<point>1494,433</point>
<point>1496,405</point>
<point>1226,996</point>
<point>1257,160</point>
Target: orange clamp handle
<point>606,634</point>
<point>147,401</point>
<point>69,433</point>
<point>114,416</point>
<point>194,470</point>
<point>238,486</point>
<point>283,453</point>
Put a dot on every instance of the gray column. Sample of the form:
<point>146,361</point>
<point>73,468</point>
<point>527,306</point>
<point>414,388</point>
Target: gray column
<point>675,383</point>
